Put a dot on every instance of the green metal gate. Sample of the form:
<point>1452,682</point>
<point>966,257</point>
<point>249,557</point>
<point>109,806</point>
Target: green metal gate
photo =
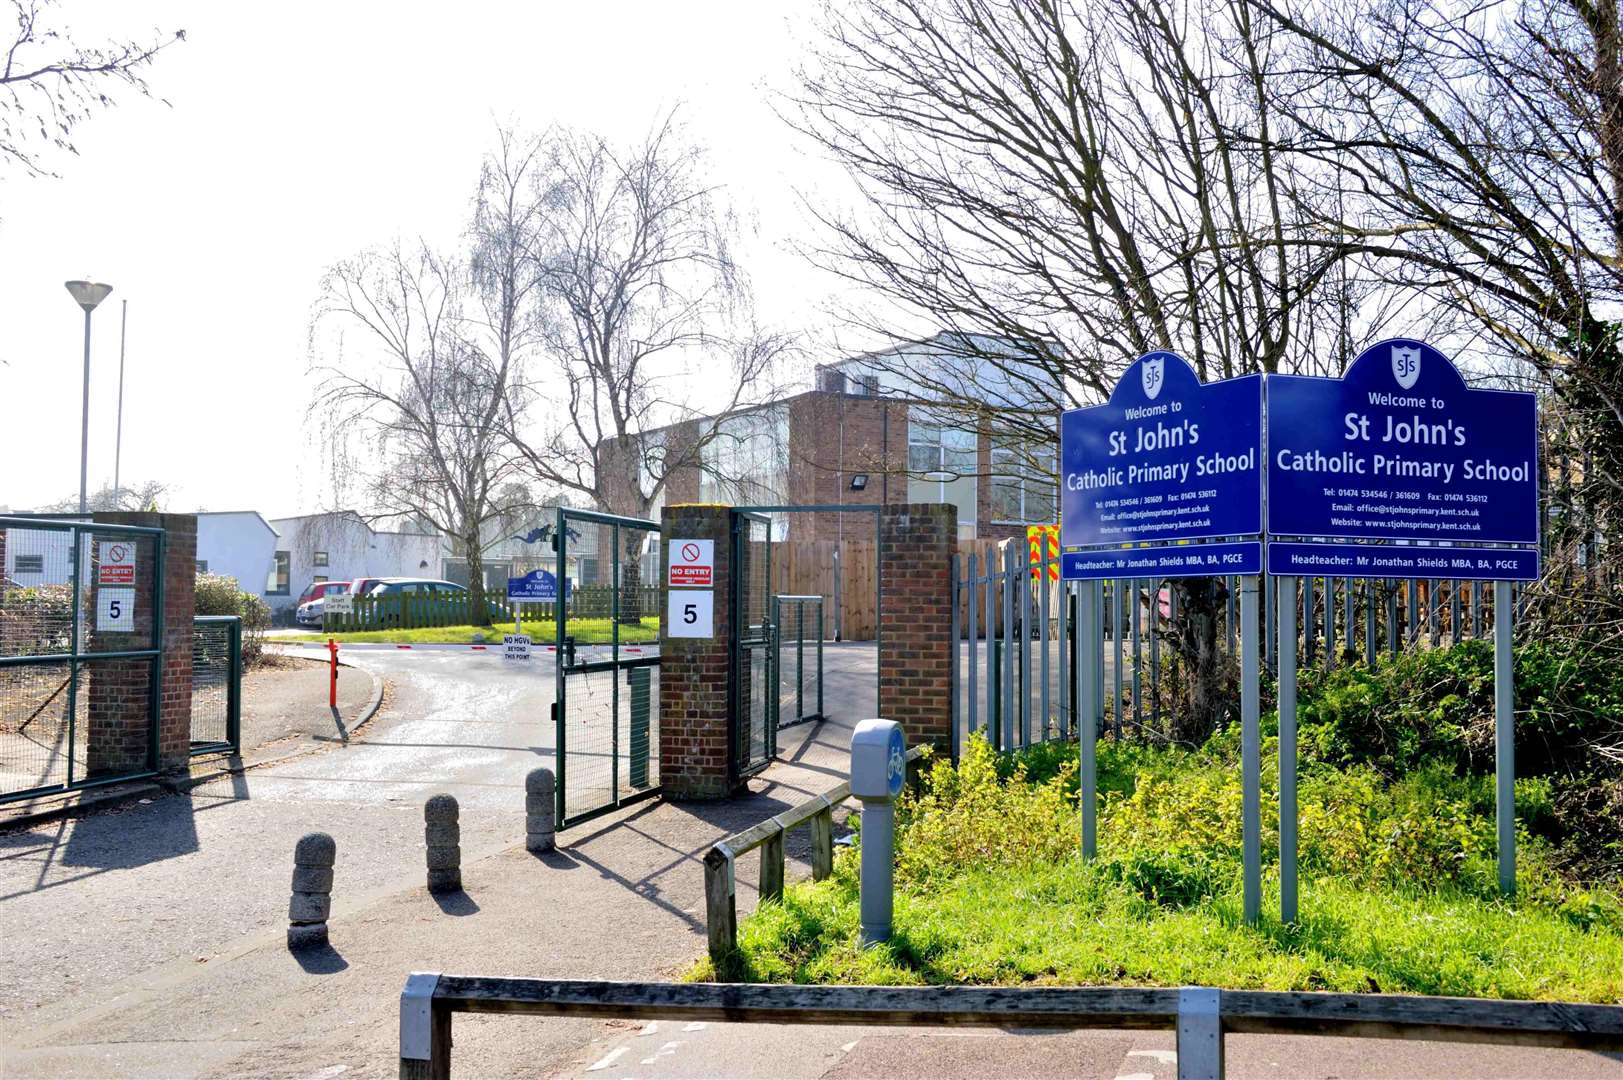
<point>606,631</point>
<point>81,632</point>
<point>754,683</point>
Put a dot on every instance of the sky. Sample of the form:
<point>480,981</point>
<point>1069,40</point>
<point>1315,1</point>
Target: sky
<point>296,135</point>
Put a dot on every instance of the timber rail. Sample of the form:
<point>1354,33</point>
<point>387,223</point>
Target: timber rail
<point>720,906</point>
<point>1200,1016</point>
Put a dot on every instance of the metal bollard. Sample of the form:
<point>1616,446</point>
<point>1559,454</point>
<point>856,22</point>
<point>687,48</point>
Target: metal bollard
<point>539,823</point>
<point>878,769</point>
<point>444,838</point>
<point>311,903</point>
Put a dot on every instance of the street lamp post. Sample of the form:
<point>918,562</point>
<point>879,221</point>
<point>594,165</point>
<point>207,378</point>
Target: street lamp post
<point>87,294</point>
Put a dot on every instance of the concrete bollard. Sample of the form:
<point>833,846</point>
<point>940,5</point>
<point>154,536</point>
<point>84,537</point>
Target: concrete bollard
<point>311,903</point>
<point>539,820</point>
<point>444,838</point>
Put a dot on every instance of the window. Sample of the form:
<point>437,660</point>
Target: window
<point>747,463</point>
<point>319,559</point>
<point>202,566</point>
<point>320,578</point>
<point>1022,483</point>
<point>30,564</point>
<point>276,583</point>
<point>941,466</point>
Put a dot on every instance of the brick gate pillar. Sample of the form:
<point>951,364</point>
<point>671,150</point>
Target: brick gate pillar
<point>917,543</point>
<point>693,672</point>
<point>116,719</point>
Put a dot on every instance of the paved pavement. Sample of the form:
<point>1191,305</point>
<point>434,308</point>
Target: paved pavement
<point>149,942</point>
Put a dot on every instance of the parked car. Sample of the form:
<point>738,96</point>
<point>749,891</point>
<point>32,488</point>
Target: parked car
<point>413,589</point>
<point>363,586</point>
<point>317,589</point>
<point>312,603</point>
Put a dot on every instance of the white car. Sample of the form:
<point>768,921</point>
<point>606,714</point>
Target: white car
<point>309,613</point>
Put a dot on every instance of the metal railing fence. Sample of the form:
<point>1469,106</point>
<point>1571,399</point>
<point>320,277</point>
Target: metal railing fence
<point>1015,677</point>
<point>1201,1017</point>
<point>798,621</point>
<point>216,684</point>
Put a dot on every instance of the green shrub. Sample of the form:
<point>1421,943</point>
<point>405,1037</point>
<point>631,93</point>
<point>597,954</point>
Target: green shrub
<point>218,594</point>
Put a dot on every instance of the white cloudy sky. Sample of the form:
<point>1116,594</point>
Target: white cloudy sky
<point>301,132</point>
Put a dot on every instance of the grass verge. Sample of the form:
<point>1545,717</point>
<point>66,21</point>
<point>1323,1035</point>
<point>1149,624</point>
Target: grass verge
<point>1397,892</point>
<point>544,631</point>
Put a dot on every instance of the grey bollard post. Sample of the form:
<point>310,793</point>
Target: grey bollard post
<point>444,838</point>
<point>311,902</point>
<point>878,768</point>
<point>539,787</point>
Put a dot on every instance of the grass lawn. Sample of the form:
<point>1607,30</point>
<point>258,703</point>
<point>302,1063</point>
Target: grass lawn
<point>544,631</point>
<point>1397,889</point>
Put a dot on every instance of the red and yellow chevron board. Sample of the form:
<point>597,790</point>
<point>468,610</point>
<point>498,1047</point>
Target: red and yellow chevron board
<point>1036,537</point>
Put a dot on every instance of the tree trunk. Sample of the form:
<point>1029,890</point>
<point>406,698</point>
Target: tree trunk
<point>1196,640</point>
<point>630,583</point>
<point>476,578</point>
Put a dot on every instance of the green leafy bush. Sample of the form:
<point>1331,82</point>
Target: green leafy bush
<point>218,594</point>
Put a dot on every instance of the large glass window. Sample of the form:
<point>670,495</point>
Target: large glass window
<point>276,583</point>
<point>941,466</point>
<point>1022,483</point>
<point>747,463</point>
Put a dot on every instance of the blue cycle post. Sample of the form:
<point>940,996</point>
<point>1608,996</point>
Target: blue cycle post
<point>878,768</point>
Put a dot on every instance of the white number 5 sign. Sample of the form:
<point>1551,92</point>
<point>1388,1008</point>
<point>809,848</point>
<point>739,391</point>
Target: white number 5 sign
<point>115,610</point>
<point>690,613</point>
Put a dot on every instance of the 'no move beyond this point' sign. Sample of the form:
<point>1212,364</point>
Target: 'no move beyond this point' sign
<point>691,563</point>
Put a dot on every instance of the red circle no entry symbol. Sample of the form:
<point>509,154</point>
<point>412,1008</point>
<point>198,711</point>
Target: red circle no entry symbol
<point>690,552</point>
<point>116,553</point>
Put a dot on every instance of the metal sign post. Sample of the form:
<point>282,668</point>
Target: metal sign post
<point>1250,746</point>
<point>1504,736</point>
<point>1401,449</point>
<point>1287,747</point>
<point>1167,460</point>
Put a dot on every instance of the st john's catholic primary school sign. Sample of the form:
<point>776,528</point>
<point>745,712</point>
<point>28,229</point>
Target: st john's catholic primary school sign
<point>1166,460</point>
<point>1389,471</point>
<point>1400,449</point>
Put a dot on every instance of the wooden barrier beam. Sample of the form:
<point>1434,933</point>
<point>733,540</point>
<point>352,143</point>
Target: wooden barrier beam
<point>1201,1016</point>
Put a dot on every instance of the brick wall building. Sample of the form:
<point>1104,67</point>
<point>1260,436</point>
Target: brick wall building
<point>851,440</point>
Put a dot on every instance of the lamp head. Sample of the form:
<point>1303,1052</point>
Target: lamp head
<point>88,293</point>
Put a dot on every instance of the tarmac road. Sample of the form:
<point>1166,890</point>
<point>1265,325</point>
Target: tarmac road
<point>148,941</point>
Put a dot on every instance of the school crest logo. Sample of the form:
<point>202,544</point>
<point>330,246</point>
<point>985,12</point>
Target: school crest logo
<point>1153,371</point>
<point>1406,366</point>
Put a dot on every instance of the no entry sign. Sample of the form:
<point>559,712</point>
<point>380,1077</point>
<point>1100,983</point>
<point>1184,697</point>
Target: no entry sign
<point>691,563</point>
<point>116,563</point>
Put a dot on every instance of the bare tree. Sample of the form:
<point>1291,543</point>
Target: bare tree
<point>145,496</point>
<point>426,411</point>
<point>1477,156</point>
<point>49,85</point>
<point>640,300</point>
<point>1065,189</point>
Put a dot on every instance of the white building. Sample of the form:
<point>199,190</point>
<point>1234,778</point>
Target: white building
<point>341,546</point>
<point>239,544</point>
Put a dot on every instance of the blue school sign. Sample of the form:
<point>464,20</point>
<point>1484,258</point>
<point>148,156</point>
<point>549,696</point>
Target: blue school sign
<point>1401,449</point>
<point>1166,459</point>
<point>537,586</point>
